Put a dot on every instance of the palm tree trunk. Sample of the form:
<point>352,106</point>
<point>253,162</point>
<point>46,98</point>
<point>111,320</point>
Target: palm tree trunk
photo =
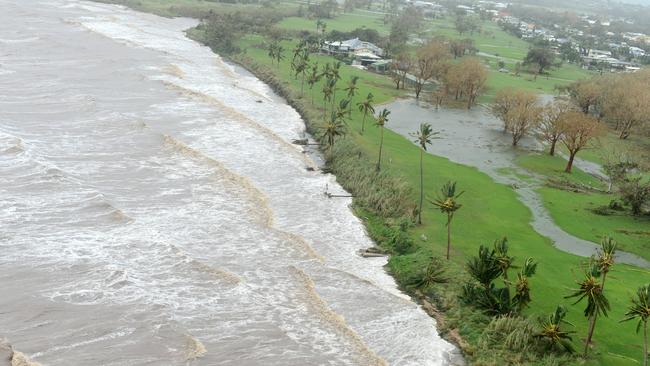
<point>645,343</point>
<point>448,236</point>
<point>363,121</point>
<point>590,332</point>
<point>381,145</point>
<point>421,189</point>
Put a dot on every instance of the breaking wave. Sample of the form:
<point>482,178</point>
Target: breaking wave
<point>258,197</point>
<point>336,321</point>
<point>238,116</point>
<point>221,274</point>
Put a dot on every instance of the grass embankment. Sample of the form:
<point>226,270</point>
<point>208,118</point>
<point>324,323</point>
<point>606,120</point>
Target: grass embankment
<point>575,211</point>
<point>490,211</point>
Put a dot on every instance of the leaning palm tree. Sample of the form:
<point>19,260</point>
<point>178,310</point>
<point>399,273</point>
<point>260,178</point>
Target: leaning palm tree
<point>640,309</point>
<point>423,137</point>
<point>381,122</point>
<point>447,203</point>
<point>366,107</point>
<point>331,129</point>
<point>591,289</point>
<point>552,332</point>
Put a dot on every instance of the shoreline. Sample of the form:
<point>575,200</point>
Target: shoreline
<point>451,335</point>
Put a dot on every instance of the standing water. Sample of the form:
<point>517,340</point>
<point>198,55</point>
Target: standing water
<point>154,212</point>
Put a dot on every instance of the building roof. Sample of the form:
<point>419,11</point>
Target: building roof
<point>356,44</point>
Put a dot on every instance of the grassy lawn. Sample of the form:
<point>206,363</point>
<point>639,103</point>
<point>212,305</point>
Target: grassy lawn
<point>553,167</point>
<point>490,211</point>
<point>345,22</point>
<point>574,213</point>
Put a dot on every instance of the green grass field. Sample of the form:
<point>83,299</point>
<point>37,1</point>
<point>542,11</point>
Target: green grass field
<point>574,211</point>
<point>345,23</point>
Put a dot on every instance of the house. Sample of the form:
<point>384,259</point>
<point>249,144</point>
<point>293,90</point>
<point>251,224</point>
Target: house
<point>596,54</point>
<point>354,47</point>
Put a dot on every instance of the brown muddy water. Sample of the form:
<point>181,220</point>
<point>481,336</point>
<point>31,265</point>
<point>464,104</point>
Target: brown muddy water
<point>154,212</point>
<point>476,138</point>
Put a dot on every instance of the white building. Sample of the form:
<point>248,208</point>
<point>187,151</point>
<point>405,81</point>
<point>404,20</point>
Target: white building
<point>637,52</point>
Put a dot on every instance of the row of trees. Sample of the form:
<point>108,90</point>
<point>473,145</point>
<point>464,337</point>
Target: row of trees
<point>432,63</point>
<point>621,100</point>
<point>557,121</point>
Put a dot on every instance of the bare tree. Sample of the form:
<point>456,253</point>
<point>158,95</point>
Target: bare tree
<point>627,104</point>
<point>400,67</point>
<point>579,130</point>
<point>586,93</point>
<point>520,112</point>
<point>551,126</point>
<point>429,63</point>
<point>473,80</point>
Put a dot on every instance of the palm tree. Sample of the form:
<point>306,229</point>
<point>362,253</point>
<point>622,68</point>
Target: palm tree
<point>592,290</point>
<point>342,109</point>
<point>503,260</point>
<point>381,122</point>
<point>279,54</point>
<point>433,274</point>
<point>521,299</point>
<point>423,137</point>
<point>366,107</point>
<point>552,332</point>
<point>328,90</point>
<point>335,76</point>
<point>447,203</point>
<point>603,260</point>
<point>352,89</point>
<point>272,50</point>
<point>331,129</point>
<point>640,309</point>
<point>313,78</point>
